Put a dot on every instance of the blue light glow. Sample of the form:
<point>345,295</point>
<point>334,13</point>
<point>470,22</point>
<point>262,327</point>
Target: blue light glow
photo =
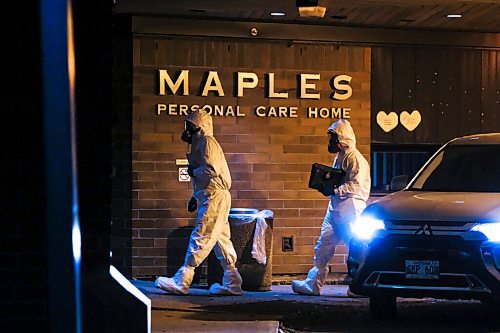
<point>77,241</point>
<point>490,230</point>
<point>365,227</point>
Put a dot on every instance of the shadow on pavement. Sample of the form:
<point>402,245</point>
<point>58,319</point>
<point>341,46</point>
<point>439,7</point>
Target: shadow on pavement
<point>333,311</point>
<point>416,316</point>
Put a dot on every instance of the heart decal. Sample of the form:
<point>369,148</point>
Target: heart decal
<point>387,121</point>
<point>410,121</point>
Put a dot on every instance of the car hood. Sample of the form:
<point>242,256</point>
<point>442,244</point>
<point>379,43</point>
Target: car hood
<point>438,206</point>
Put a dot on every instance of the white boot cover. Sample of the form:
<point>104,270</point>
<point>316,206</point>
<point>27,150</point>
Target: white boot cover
<point>231,284</point>
<point>179,284</point>
<point>312,284</point>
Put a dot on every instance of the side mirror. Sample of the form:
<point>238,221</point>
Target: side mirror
<point>398,183</point>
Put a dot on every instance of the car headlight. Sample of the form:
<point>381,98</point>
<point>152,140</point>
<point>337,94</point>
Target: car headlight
<point>490,230</point>
<point>365,226</point>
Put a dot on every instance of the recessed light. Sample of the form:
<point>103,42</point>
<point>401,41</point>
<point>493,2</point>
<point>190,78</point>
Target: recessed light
<point>277,14</point>
<point>454,15</point>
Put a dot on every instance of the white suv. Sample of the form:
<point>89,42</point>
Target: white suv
<point>439,236</point>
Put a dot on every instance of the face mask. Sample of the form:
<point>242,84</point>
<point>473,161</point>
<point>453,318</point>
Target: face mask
<point>189,130</point>
<point>187,137</point>
<point>333,144</point>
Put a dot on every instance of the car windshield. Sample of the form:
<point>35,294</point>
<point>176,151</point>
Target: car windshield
<point>462,168</point>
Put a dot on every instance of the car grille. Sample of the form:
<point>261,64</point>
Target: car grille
<point>431,223</point>
<point>456,255</point>
<point>397,280</point>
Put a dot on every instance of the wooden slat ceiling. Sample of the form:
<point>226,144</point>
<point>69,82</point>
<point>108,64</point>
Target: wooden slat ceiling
<point>477,15</point>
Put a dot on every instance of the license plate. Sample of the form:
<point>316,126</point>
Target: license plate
<point>422,269</point>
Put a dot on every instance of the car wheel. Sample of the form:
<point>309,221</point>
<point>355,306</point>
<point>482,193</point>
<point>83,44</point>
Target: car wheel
<point>383,306</point>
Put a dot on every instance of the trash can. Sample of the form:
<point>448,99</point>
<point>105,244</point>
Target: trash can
<point>256,273</point>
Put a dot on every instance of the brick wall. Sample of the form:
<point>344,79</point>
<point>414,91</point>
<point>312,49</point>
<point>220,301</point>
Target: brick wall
<point>269,158</point>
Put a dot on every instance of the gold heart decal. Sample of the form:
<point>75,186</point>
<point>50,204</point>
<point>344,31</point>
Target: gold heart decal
<point>387,121</point>
<point>410,121</point>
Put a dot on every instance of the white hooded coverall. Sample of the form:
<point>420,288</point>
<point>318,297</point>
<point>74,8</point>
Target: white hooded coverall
<point>345,205</point>
<point>212,182</point>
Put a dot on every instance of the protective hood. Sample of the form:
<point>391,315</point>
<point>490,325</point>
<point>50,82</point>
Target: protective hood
<point>203,120</point>
<point>345,133</point>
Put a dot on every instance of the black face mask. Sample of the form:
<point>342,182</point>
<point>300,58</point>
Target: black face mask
<point>187,137</point>
<point>189,131</point>
<point>334,143</point>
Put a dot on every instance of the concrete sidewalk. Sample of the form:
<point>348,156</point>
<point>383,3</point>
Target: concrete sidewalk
<point>201,312</point>
<point>282,311</point>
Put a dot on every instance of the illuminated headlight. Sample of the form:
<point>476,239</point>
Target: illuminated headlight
<point>490,230</point>
<point>365,227</point>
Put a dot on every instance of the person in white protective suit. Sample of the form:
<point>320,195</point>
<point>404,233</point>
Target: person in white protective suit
<point>212,181</point>
<point>347,201</point>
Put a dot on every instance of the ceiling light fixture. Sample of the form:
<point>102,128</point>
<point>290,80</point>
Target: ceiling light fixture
<point>310,8</point>
<point>312,11</point>
<point>278,14</point>
<point>454,15</point>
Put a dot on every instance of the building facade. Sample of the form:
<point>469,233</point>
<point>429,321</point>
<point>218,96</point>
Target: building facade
<point>273,91</point>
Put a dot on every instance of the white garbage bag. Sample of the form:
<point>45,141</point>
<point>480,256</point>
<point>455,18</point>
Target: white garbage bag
<point>259,237</point>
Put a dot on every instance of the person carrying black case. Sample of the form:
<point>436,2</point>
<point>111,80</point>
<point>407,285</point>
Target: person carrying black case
<point>347,184</point>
